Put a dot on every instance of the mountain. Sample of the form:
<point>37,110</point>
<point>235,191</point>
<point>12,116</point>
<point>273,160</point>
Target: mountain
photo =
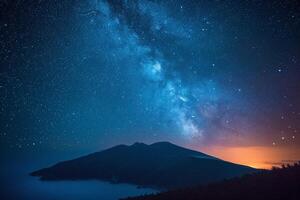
<point>161,165</point>
<point>272,184</point>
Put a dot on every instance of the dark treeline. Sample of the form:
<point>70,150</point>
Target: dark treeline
<point>278,183</point>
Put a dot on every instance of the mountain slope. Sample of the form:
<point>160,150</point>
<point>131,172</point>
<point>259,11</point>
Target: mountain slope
<point>161,164</point>
<point>275,184</point>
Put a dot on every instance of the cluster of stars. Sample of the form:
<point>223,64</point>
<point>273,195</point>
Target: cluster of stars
<point>117,70</point>
<point>284,139</point>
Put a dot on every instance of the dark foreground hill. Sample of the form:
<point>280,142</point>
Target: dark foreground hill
<point>276,184</point>
<point>161,165</point>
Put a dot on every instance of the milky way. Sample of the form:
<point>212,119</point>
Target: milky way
<point>187,108</point>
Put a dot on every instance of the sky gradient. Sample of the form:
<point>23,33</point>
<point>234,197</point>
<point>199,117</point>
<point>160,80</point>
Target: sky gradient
<point>217,76</point>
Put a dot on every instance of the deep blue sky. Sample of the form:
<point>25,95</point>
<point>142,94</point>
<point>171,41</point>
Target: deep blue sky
<point>84,75</point>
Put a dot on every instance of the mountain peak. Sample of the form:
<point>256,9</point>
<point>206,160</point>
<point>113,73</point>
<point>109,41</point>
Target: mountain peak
<point>153,144</point>
<point>139,144</point>
<point>163,143</point>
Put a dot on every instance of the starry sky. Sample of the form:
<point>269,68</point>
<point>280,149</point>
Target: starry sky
<point>221,77</point>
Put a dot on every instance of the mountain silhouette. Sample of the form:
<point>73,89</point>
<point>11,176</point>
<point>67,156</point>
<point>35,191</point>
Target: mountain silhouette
<point>161,165</point>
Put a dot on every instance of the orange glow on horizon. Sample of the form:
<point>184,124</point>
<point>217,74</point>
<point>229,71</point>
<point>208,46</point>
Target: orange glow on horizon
<point>256,156</point>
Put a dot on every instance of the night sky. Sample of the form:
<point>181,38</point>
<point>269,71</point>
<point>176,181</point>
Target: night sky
<point>222,77</point>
